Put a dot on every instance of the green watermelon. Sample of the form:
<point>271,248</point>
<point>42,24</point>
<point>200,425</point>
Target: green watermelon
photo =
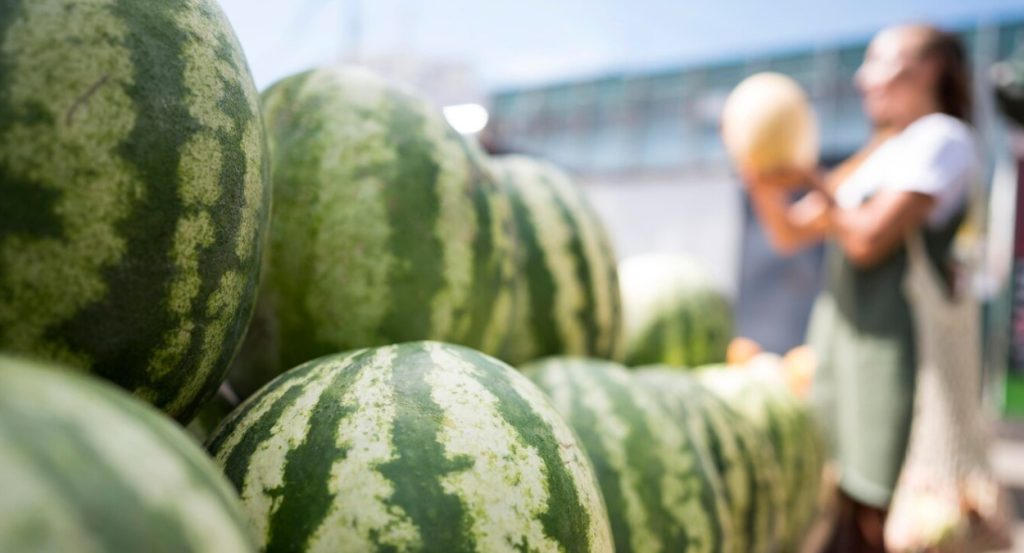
<point>761,396</point>
<point>135,194</point>
<point>740,454</point>
<point>567,290</point>
<point>674,314</point>
<point>388,226</point>
<point>421,446</point>
<point>85,467</point>
<point>662,494</point>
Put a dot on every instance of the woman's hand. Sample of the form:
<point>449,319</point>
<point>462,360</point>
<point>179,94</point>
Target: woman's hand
<point>790,225</point>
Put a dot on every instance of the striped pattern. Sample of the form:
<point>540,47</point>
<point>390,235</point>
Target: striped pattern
<point>421,446</point>
<point>387,225</point>
<point>673,312</point>
<point>567,291</point>
<point>86,468</point>
<point>134,176</point>
<point>739,453</point>
<point>661,492</point>
<point>761,396</point>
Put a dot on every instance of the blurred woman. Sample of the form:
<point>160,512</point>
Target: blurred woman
<point>912,178</point>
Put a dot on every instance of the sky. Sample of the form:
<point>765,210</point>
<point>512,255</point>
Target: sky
<point>528,42</point>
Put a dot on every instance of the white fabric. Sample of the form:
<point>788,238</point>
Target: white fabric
<point>936,155</point>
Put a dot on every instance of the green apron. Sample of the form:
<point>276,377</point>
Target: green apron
<point>862,331</point>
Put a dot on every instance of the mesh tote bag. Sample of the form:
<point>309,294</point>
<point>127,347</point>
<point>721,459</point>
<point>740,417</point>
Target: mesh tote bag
<point>947,498</point>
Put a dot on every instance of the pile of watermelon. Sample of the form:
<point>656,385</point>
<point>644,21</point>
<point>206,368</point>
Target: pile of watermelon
<point>346,359</point>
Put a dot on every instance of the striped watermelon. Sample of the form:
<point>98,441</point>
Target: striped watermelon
<point>761,396</point>
<point>662,494</point>
<point>567,292</point>
<point>134,197</point>
<point>421,446</point>
<point>85,467</point>
<point>674,314</point>
<point>387,225</point>
<point>741,455</point>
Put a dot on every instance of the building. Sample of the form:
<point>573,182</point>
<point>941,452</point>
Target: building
<point>646,145</point>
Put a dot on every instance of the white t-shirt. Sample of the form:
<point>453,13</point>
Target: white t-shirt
<point>936,155</point>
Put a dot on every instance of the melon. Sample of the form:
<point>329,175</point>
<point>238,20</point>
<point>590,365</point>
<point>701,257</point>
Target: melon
<point>768,125</point>
<point>567,289</point>
<point>135,194</point>
<point>421,446</point>
<point>86,467</point>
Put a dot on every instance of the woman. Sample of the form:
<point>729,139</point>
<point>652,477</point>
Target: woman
<point>913,177</point>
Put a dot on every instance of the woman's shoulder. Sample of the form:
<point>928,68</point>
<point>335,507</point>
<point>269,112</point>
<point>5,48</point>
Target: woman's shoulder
<point>940,128</point>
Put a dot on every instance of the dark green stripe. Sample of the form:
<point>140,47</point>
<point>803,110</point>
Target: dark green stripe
<point>228,212</point>
<point>236,465</point>
<point>566,520</point>
<point>641,445</point>
<point>115,515</point>
<point>587,313</point>
<point>295,120</point>
<point>421,465</point>
<point>134,322</point>
<point>305,492</point>
<point>411,194</point>
<point>489,278</point>
<point>536,281</point>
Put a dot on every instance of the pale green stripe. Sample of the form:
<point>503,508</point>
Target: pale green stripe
<point>265,471</point>
<point>474,428</point>
<point>613,433</point>
<point>30,501</point>
<point>574,459</point>
<point>362,518</point>
<point>163,482</point>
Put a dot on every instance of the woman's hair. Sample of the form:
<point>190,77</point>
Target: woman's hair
<point>953,88</point>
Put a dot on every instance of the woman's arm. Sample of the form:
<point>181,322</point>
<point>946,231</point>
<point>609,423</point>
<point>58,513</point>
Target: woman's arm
<point>790,226</point>
<point>870,233</point>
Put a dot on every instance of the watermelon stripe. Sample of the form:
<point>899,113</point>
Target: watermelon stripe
<point>149,150</point>
<point>482,303</point>
<point>84,441</point>
<point>587,313</point>
<point>543,329</point>
<point>661,491</point>
<point>430,439</point>
<point>418,473</point>
<point>37,91</point>
<point>559,520</point>
<point>298,514</point>
<point>414,209</point>
<point>79,485</point>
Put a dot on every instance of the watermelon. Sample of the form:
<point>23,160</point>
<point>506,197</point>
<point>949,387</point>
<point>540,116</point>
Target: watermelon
<point>662,494</point>
<point>86,467</point>
<point>567,291</point>
<point>421,446</point>
<point>674,313</point>
<point>388,226</point>
<point>760,394</point>
<point>135,193</point>
<point>740,454</point>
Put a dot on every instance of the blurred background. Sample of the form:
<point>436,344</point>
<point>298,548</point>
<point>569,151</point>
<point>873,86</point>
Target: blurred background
<point>627,96</point>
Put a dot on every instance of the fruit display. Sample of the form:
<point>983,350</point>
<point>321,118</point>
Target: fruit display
<point>330,289</point>
<point>567,290</point>
<point>421,446</point>
<point>134,193</point>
